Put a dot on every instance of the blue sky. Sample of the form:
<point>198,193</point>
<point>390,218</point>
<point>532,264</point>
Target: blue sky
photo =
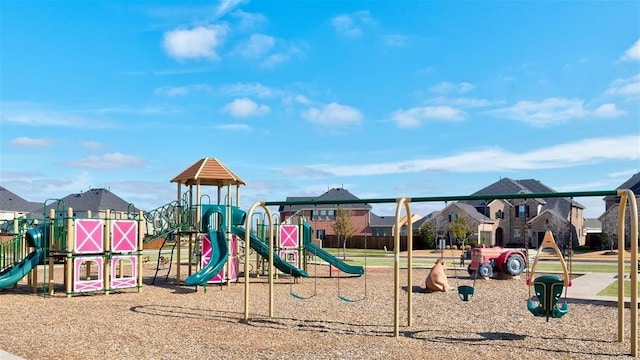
<point>387,99</point>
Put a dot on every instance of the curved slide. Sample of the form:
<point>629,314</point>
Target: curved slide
<point>324,255</point>
<point>263,249</point>
<point>219,256</point>
<point>339,264</point>
<point>15,273</point>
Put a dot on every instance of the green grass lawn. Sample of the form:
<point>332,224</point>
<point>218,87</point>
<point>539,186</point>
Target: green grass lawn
<point>612,290</point>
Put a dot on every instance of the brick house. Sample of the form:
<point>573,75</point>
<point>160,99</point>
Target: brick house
<point>516,222</point>
<point>609,219</point>
<point>321,216</point>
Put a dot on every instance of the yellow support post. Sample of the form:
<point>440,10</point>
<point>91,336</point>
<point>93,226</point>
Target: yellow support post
<point>106,251</point>
<point>68,261</point>
<point>140,248</point>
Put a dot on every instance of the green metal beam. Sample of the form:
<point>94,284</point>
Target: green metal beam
<point>568,194</point>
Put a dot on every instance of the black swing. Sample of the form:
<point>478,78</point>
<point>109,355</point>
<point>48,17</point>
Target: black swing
<point>465,292</point>
<point>548,288</point>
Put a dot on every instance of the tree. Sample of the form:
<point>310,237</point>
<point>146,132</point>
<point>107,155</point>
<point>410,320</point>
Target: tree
<point>343,227</point>
<point>460,230</point>
<point>428,234</point>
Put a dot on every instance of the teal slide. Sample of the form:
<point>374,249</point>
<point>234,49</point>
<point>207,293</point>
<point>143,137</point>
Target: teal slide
<point>324,255</point>
<point>219,255</point>
<point>15,273</point>
<point>263,249</point>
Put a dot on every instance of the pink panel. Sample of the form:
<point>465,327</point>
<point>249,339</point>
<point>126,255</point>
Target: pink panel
<point>233,257</point>
<point>89,236</point>
<point>288,236</point>
<point>80,285</point>
<point>290,256</point>
<point>124,236</point>
<point>206,250</point>
<point>127,281</point>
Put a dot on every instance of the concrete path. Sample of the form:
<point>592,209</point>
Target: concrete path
<point>7,356</point>
<point>587,287</point>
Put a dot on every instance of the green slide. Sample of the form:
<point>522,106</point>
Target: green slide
<point>263,249</point>
<point>324,255</point>
<point>15,273</point>
<point>219,255</point>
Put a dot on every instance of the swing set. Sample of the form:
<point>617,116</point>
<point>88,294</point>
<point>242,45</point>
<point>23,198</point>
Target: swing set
<point>307,235</point>
<point>548,288</point>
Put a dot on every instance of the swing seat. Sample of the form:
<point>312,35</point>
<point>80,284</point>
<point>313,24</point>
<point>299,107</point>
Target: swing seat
<point>465,292</point>
<point>548,289</point>
<point>346,299</point>
<point>300,297</point>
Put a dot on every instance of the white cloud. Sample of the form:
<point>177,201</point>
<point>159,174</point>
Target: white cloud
<point>275,59</point>
<point>181,90</point>
<point>553,111</point>
<point>607,110</point>
<point>111,161</point>
<point>225,6</point>
<point>633,53</point>
<point>624,173</point>
<point>248,20</point>
<point>625,87</point>
<point>257,46</point>
<point>283,55</point>
<point>296,99</point>
<point>414,117</point>
<point>333,114</point>
<point>349,24</point>
<point>462,102</point>
<point>30,114</point>
<point>426,71</point>
<point>587,151</point>
<point>233,127</point>
<point>449,87</point>
<point>245,107</point>
<point>199,42</point>
<point>29,142</point>
<point>250,89</point>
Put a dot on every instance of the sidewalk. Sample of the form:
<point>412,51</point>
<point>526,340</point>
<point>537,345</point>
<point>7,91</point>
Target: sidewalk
<point>7,356</point>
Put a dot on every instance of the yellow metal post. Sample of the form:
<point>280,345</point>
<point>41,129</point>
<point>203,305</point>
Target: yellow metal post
<point>621,260</point>
<point>106,250</point>
<point>140,249</point>
<point>68,261</point>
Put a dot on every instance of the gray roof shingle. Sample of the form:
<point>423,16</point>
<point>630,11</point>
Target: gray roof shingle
<point>94,200</point>
<point>633,184</point>
<point>335,194</point>
<point>9,201</point>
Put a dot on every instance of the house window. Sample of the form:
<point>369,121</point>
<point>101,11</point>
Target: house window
<point>323,215</point>
<point>499,214</point>
<point>331,215</point>
<point>452,217</point>
<point>522,211</point>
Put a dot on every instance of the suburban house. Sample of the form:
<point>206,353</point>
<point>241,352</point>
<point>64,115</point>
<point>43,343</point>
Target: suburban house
<point>321,216</point>
<point>12,205</point>
<point>515,222</point>
<point>96,201</point>
<point>609,219</point>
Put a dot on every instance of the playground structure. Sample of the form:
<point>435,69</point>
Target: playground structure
<point>100,254</point>
<point>225,228</point>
